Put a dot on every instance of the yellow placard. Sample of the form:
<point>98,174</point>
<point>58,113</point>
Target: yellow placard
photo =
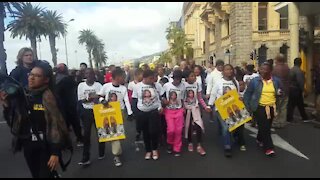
<point>109,122</point>
<point>232,110</point>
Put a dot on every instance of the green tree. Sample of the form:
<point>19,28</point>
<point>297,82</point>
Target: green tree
<point>10,7</point>
<point>87,37</point>
<point>165,58</point>
<point>177,38</point>
<point>28,22</point>
<point>54,28</point>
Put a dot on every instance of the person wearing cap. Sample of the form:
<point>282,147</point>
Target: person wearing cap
<point>174,112</point>
<point>66,90</point>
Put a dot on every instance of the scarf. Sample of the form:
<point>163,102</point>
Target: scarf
<point>57,134</point>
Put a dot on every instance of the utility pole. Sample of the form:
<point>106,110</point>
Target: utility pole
<point>65,43</point>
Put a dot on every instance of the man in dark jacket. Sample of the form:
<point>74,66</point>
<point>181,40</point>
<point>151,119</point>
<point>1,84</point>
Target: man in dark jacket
<point>296,91</point>
<point>282,71</point>
<point>66,90</point>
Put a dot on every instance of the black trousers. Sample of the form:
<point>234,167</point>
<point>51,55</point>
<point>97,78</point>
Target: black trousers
<point>295,99</point>
<point>238,135</point>
<point>198,131</point>
<point>73,119</point>
<point>37,155</point>
<point>138,128</point>
<point>88,120</point>
<point>264,127</point>
<point>163,128</point>
<point>150,124</point>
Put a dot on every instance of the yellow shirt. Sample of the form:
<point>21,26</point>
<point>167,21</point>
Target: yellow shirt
<point>268,93</point>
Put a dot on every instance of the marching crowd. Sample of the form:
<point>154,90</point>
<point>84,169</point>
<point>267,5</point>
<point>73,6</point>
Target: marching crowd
<point>166,105</point>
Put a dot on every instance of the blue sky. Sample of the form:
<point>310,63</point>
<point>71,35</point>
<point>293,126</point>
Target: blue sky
<point>129,30</point>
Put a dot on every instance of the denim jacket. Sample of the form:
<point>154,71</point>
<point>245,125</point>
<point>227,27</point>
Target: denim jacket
<point>253,92</point>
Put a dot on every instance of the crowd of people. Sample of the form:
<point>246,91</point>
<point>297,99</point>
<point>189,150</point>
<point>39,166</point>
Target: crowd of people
<point>167,105</point>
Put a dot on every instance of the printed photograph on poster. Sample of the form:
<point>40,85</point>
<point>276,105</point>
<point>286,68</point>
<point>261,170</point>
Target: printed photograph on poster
<point>232,110</point>
<point>109,122</point>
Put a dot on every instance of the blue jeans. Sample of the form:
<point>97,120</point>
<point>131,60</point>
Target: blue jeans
<point>225,134</point>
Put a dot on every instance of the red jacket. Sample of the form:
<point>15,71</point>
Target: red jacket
<point>108,77</point>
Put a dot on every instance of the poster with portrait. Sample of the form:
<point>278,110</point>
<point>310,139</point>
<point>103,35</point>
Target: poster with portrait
<point>232,110</point>
<point>109,122</point>
<point>149,96</point>
<point>174,99</point>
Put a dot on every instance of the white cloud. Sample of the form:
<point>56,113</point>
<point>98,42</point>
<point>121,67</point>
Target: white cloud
<point>129,30</point>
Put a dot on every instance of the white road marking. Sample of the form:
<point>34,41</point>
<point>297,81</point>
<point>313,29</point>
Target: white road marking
<point>278,141</point>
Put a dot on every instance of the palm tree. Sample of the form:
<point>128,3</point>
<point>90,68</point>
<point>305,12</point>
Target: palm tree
<point>99,54</point>
<point>10,7</point>
<point>29,23</point>
<point>87,37</point>
<point>54,28</point>
<point>179,44</point>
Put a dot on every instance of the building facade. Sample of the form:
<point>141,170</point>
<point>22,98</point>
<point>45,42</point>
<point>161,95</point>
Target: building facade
<point>232,30</point>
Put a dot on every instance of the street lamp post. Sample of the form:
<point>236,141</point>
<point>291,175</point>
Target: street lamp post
<point>65,43</point>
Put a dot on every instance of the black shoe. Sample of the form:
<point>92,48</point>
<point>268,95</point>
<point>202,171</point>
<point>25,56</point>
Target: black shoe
<point>227,153</point>
<point>169,149</point>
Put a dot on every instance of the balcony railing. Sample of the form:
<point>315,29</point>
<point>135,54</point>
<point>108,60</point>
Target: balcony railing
<point>271,35</point>
<point>225,41</point>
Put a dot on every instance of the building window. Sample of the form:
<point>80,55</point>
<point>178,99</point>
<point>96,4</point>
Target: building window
<point>284,19</point>
<point>262,54</point>
<point>263,16</point>
<point>203,47</point>
<point>284,50</point>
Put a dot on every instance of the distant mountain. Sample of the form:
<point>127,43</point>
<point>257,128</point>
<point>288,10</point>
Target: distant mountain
<point>148,58</point>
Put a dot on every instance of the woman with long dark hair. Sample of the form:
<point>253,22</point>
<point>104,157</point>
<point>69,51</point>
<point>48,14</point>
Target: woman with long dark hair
<point>45,129</point>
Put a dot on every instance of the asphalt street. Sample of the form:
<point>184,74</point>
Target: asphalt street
<point>252,163</point>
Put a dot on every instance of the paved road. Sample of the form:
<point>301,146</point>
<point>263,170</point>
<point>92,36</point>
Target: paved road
<point>252,163</point>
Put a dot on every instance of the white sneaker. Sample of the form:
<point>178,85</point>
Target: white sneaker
<point>117,161</point>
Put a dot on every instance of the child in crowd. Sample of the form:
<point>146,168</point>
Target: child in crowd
<point>174,112</point>
<point>138,77</point>
<point>221,87</point>
<point>238,134</point>
<point>148,112</point>
<point>114,91</point>
<point>87,94</point>
<point>193,116</point>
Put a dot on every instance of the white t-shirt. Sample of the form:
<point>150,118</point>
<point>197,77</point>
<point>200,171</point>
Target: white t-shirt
<point>84,91</point>
<point>247,78</point>
<point>159,88</point>
<point>148,97</point>
<point>132,85</point>
<point>214,76</point>
<point>199,81</point>
<point>220,88</point>
<point>191,94</point>
<point>120,94</point>
<point>174,94</point>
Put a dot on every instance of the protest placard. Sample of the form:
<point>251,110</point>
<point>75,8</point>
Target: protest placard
<point>109,122</point>
<point>232,110</point>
